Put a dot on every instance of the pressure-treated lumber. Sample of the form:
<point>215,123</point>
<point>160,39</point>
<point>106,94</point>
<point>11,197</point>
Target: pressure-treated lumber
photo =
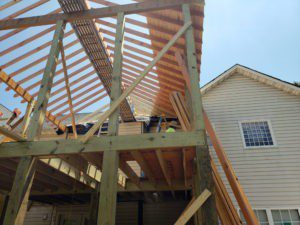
<point>68,89</point>
<point>230,174</point>
<point>90,117</point>
<point>27,97</point>
<point>11,134</point>
<point>27,117</point>
<point>232,178</point>
<point>193,207</point>
<point>144,165</point>
<point>115,105</point>
<point>129,172</point>
<point>225,207</point>
<point>147,141</point>
<point>109,179</point>
<point>26,168</point>
<point>226,210</point>
<point>181,62</point>
<point>22,184</point>
<point>93,13</point>
<point>164,168</point>
<point>178,185</point>
<point>37,120</point>
<point>87,31</point>
<point>203,167</point>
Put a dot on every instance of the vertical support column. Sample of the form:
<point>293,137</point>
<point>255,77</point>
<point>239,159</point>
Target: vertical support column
<point>109,179</point>
<point>38,118</point>
<point>208,213</point>
<point>93,208</point>
<point>27,116</point>
<point>26,168</point>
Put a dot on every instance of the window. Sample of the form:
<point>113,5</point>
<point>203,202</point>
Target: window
<point>261,215</point>
<point>286,217</point>
<point>257,134</point>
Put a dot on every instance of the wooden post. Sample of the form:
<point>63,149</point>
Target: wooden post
<point>93,208</point>
<point>109,179</point>
<point>26,168</point>
<point>117,102</point>
<point>203,166</point>
<point>27,117</point>
<point>37,120</point>
<point>21,187</point>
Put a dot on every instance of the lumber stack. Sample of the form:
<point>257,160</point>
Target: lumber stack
<point>227,212</point>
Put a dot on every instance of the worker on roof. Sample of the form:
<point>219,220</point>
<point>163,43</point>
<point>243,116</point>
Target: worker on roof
<point>171,127</point>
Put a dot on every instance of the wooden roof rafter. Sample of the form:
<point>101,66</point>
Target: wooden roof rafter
<point>152,93</point>
<point>163,79</point>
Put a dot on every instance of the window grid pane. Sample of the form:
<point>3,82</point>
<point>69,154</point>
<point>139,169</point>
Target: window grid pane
<point>261,215</point>
<point>286,217</point>
<point>257,134</point>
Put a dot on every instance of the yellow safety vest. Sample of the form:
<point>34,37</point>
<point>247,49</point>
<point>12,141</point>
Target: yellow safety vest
<point>170,130</point>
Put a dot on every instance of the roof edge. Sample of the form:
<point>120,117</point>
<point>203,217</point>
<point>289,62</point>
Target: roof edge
<point>252,74</point>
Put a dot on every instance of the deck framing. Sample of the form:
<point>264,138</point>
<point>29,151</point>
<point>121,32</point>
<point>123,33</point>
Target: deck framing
<point>30,149</point>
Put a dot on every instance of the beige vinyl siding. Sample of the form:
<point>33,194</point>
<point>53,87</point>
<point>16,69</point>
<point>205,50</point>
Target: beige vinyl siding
<point>270,176</point>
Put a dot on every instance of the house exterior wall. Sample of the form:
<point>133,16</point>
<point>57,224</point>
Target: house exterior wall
<point>269,176</point>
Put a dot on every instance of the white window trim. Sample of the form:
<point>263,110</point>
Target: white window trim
<point>269,213</point>
<point>258,147</point>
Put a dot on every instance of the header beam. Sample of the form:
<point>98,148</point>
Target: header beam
<point>147,141</point>
<point>94,13</point>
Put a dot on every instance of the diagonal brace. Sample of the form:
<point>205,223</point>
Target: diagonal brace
<point>115,105</point>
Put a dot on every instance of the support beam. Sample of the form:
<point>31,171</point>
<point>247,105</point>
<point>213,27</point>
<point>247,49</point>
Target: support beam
<point>37,120</point>
<point>236,187</point>
<point>109,179</point>
<point>182,64</point>
<point>129,172</point>
<point>27,97</point>
<point>27,117</point>
<point>26,167</point>
<point>192,208</point>
<point>165,170</point>
<point>148,141</point>
<point>144,166</point>
<point>11,134</point>
<point>93,209</point>
<point>116,103</point>
<point>93,13</point>
<point>208,213</point>
<point>63,59</point>
<point>21,187</point>
<point>146,186</point>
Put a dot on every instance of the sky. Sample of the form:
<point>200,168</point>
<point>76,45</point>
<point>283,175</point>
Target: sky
<point>261,34</point>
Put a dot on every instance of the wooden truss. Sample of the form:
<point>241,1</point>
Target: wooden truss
<point>146,74</point>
